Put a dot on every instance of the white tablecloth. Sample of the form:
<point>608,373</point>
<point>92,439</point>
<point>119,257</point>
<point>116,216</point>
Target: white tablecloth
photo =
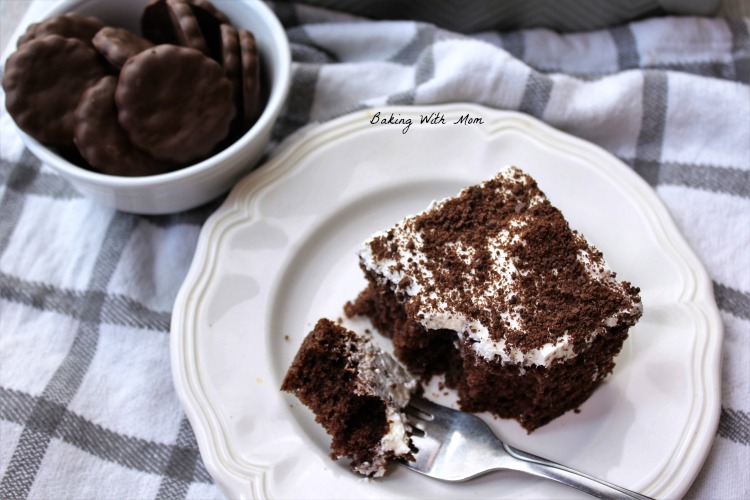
<point>87,406</point>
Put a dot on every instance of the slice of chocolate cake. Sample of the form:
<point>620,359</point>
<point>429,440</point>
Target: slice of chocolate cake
<point>357,392</point>
<point>495,290</point>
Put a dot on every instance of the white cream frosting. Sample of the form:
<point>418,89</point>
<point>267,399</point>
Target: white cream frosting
<point>380,375</point>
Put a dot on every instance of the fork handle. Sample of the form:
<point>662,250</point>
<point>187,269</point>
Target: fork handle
<point>546,468</point>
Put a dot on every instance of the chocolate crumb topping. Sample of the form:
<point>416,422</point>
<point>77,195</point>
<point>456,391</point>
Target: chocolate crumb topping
<point>500,255</point>
<point>494,290</point>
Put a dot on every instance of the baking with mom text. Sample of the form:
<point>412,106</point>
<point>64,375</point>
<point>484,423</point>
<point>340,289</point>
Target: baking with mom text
<point>434,118</point>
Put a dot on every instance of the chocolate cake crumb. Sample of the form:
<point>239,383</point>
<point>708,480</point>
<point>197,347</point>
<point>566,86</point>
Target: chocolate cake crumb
<point>356,392</point>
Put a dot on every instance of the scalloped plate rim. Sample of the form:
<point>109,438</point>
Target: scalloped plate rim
<point>244,480</point>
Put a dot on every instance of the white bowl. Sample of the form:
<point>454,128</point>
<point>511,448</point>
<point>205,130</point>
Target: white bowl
<point>199,183</point>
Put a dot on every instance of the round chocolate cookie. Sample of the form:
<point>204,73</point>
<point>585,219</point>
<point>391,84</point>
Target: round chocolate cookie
<point>180,22</point>
<point>186,25</point>
<point>27,35</point>
<point>174,103</point>
<point>231,61</point>
<point>156,23</point>
<point>102,142</point>
<point>44,80</point>
<point>68,25</point>
<point>117,45</point>
<point>210,26</point>
<point>211,9</point>
<point>250,78</point>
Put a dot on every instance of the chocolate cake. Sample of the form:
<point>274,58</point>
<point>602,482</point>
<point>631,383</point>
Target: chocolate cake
<point>356,392</point>
<point>493,289</point>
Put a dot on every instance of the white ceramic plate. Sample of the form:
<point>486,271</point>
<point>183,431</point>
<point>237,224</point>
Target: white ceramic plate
<point>280,254</point>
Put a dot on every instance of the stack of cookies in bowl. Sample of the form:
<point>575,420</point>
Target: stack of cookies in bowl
<point>186,86</point>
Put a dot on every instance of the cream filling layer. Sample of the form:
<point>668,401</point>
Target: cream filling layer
<point>436,314</point>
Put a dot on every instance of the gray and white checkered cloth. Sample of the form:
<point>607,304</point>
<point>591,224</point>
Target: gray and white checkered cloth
<point>87,406</point>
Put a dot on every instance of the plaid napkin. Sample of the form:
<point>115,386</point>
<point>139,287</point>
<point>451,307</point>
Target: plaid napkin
<point>87,406</point>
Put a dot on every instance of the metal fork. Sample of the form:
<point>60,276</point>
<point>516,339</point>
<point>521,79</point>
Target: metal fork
<point>455,446</point>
